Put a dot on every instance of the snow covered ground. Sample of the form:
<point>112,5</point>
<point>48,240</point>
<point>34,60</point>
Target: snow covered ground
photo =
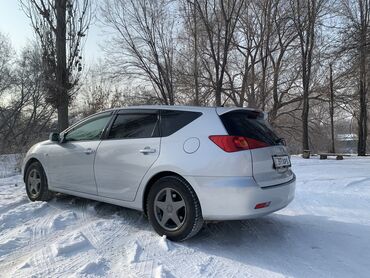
<point>324,232</point>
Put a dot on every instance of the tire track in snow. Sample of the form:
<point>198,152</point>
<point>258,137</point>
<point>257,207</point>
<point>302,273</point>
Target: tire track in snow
<point>105,214</point>
<point>21,214</point>
<point>47,260</point>
<point>8,207</point>
<point>358,182</point>
<point>41,229</point>
<point>44,235</point>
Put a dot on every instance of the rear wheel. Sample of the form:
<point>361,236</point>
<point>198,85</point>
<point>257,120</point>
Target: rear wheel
<point>36,183</point>
<point>173,209</point>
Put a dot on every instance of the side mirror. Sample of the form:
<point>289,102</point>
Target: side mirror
<point>54,137</point>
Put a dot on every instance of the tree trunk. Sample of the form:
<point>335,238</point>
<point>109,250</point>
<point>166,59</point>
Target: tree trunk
<point>63,116</point>
<point>218,90</point>
<point>196,69</point>
<point>362,124</point>
<point>362,127</point>
<point>305,110</point>
<point>61,70</point>
<point>218,96</point>
<point>331,110</point>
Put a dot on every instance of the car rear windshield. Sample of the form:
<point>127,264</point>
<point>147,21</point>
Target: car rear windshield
<point>249,124</point>
<point>174,120</point>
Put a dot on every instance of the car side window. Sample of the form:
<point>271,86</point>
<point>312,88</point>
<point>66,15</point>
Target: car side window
<point>173,120</point>
<point>90,130</point>
<point>143,125</point>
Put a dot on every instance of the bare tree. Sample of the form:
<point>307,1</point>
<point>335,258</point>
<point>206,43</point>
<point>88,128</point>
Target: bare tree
<point>188,70</point>
<point>283,55</point>
<point>98,92</point>
<point>356,45</point>
<point>7,82</point>
<point>60,26</point>
<point>306,16</point>
<point>6,61</point>
<point>218,19</point>
<point>142,43</point>
<point>250,42</point>
<point>266,69</point>
<point>24,116</point>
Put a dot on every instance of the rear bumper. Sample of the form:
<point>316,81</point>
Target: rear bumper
<point>235,198</point>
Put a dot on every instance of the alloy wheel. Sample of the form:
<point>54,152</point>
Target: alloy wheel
<point>170,209</point>
<point>34,183</point>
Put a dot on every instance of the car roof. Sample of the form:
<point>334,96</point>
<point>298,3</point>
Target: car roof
<point>203,109</point>
<point>219,110</point>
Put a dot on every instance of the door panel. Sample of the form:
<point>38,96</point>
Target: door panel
<point>121,164</point>
<point>71,166</point>
<point>71,163</point>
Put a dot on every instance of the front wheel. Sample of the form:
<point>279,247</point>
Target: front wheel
<point>36,183</point>
<point>173,209</point>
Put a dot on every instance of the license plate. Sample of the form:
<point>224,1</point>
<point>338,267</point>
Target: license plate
<point>281,161</point>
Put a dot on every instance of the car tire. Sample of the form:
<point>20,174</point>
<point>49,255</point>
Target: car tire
<point>36,183</point>
<point>173,209</point>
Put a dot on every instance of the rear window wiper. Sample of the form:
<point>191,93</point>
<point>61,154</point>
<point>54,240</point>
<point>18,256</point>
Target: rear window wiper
<point>280,140</point>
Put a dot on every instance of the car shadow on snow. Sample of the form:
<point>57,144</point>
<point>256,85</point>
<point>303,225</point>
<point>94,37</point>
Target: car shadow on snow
<point>298,246</point>
<point>100,210</point>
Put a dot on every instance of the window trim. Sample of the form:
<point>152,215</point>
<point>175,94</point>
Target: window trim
<point>105,136</point>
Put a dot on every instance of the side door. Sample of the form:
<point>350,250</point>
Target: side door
<point>130,148</point>
<point>71,162</point>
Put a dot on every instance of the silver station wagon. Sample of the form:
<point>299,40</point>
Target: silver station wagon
<point>179,165</point>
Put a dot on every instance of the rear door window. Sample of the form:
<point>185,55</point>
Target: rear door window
<point>250,124</point>
<point>174,120</point>
<point>141,125</point>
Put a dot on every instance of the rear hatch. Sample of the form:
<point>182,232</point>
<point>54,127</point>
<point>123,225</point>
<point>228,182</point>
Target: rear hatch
<point>271,162</point>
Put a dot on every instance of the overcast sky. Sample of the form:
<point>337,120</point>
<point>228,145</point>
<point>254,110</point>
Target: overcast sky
<point>15,24</point>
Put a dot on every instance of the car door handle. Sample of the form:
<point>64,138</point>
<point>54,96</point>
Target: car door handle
<point>147,150</point>
<point>89,151</point>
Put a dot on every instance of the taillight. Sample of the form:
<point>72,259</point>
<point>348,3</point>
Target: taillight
<point>236,143</point>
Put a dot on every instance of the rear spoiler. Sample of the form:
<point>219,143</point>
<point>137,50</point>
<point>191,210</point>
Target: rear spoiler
<point>223,110</point>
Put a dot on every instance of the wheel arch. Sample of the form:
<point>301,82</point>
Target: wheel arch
<point>28,163</point>
<point>153,180</point>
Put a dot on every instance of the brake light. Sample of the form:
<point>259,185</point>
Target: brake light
<point>236,143</point>
<point>262,205</point>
